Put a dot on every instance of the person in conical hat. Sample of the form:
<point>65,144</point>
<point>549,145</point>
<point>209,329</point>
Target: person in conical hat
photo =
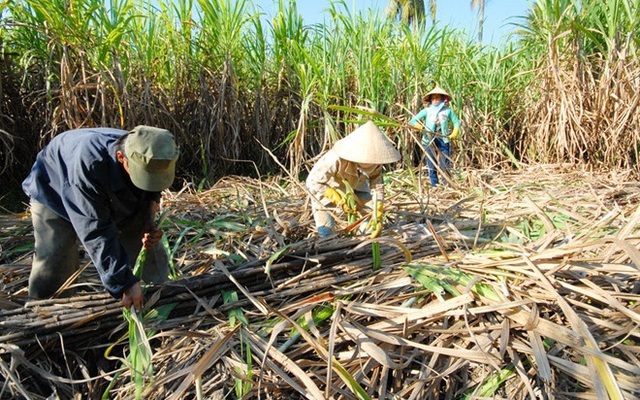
<point>436,120</point>
<point>351,170</point>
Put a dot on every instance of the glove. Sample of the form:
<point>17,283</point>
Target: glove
<point>379,208</point>
<point>375,223</point>
<point>379,211</point>
<point>350,203</point>
<point>376,229</point>
<point>333,196</point>
<point>455,133</point>
<point>344,201</point>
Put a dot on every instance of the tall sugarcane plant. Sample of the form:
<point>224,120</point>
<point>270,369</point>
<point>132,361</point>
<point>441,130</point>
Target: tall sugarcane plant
<point>222,76</point>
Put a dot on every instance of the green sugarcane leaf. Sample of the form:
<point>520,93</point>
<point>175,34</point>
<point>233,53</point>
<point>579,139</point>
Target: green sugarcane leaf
<point>431,280</point>
<point>140,350</point>
<point>319,314</point>
<point>138,268</point>
<point>491,384</point>
<point>377,259</point>
<point>350,380</point>
<point>274,257</point>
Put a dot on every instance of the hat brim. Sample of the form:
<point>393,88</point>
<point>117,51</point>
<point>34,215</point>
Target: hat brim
<point>151,181</point>
<point>427,97</point>
<point>437,90</point>
<point>367,145</point>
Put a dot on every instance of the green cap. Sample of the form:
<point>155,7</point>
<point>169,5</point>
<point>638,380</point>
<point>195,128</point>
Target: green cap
<point>151,155</point>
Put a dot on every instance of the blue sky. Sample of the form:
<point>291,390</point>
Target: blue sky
<point>455,13</point>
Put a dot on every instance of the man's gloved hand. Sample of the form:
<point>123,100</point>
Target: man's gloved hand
<point>455,133</point>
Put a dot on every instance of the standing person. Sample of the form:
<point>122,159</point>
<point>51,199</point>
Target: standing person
<point>101,186</point>
<point>435,119</point>
<point>353,165</point>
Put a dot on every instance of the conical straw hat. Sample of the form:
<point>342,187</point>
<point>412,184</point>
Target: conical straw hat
<point>367,145</point>
<point>437,90</point>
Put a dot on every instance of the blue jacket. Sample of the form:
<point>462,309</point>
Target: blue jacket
<point>436,119</point>
<point>78,176</point>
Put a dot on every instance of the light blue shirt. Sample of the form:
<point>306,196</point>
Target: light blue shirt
<point>437,119</point>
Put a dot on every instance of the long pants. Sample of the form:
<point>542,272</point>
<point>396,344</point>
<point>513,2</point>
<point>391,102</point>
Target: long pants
<point>56,256</point>
<point>323,214</point>
<point>442,156</point>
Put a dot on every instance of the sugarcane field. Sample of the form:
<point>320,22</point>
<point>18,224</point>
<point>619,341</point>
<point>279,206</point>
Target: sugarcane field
<point>206,200</point>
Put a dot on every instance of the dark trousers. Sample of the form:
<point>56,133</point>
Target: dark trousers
<point>438,152</point>
<point>56,256</point>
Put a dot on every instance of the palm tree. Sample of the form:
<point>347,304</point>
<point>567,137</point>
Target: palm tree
<point>410,12</point>
<point>432,11</point>
<point>480,5</point>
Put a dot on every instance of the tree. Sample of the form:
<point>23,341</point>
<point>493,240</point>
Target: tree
<point>411,12</point>
<point>479,4</point>
<point>432,11</point>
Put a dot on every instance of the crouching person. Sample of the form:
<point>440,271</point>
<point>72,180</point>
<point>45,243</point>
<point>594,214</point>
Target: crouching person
<point>100,186</point>
<point>343,179</point>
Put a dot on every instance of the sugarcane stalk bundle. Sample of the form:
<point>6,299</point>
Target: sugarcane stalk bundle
<point>69,319</point>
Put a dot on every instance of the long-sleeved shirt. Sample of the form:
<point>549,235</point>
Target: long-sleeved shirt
<point>436,119</point>
<point>331,170</point>
<point>78,177</point>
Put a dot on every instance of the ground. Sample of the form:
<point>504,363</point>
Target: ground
<point>520,284</point>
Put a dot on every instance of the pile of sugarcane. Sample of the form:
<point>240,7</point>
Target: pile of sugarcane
<point>513,285</point>
<point>61,319</point>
